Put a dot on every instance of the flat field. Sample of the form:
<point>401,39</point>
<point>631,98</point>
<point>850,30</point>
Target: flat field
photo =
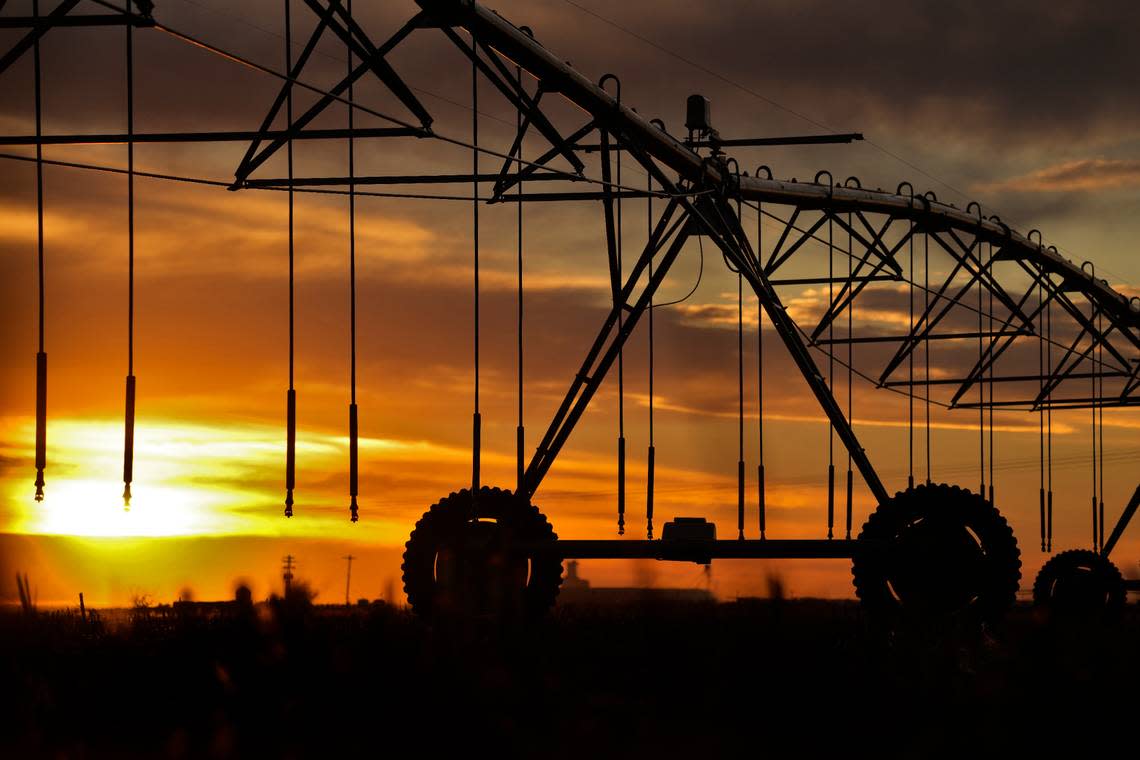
<point>803,677</point>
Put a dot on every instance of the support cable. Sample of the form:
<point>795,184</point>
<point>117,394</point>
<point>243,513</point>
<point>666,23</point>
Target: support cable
<point>429,133</point>
<point>291,394</point>
<point>353,418</point>
<point>476,419</point>
<point>41,355</point>
<point>129,426</point>
<point>283,188</point>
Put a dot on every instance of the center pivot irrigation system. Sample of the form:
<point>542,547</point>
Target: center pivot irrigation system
<point>1026,328</point>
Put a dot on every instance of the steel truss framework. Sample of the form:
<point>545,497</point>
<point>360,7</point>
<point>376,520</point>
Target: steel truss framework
<point>1039,331</point>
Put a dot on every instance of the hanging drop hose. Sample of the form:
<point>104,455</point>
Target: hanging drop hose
<point>651,453</point>
<point>740,403</point>
<point>1097,530</point>
<point>1041,411</point>
<point>476,419</point>
<point>926,346</point>
<point>129,427</point>
<point>620,313</point>
<point>981,385</point>
<point>1049,431</point>
<point>740,480</point>
<point>990,329</point>
<point>1100,414</point>
<point>760,382</point>
<point>520,431</point>
<point>830,381</point>
<point>910,366</point>
<point>621,376</point>
<point>41,356</point>
<point>850,370</point>
<point>291,394</point>
<point>353,419</point>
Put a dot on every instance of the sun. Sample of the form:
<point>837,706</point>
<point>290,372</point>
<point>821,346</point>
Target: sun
<point>184,484</point>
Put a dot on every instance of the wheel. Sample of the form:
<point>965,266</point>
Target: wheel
<point>1080,583</point>
<point>937,551</point>
<point>482,557</point>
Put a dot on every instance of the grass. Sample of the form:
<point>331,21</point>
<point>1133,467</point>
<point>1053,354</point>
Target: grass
<point>287,679</point>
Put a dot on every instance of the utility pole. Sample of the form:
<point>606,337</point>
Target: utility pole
<point>287,575</point>
<point>348,579</point>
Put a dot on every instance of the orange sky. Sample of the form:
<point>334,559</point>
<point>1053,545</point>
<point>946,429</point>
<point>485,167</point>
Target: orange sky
<point>210,344</point>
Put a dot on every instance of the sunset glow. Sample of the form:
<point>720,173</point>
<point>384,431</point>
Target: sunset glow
<point>211,303</point>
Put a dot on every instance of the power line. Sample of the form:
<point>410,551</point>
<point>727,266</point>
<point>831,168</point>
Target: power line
<point>428,133</point>
<point>308,190</point>
<point>699,67</point>
<point>463,198</point>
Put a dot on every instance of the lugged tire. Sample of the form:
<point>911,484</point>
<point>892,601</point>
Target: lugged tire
<point>984,592</point>
<point>1098,577</point>
<point>448,518</point>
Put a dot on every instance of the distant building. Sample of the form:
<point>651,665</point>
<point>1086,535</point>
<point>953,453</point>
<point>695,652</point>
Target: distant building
<point>577,590</point>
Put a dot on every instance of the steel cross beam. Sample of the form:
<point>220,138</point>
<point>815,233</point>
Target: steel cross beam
<point>40,28</point>
<point>516,95</point>
<point>927,321</point>
<point>557,76</point>
<point>516,145</point>
<point>854,284</point>
<point>1007,336</point>
<point>1122,523</point>
<point>355,38</point>
<point>533,166</point>
<point>372,60</point>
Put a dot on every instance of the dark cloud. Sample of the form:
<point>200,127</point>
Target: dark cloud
<point>1064,70</point>
<point>963,68</point>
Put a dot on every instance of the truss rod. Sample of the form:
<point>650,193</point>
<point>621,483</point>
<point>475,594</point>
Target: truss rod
<point>409,179</point>
<point>1000,379</point>
<point>748,142</point>
<point>897,338</point>
<point>41,27</point>
<point>118,138</point>
<point>87,19</point>
<point>1058,403</point>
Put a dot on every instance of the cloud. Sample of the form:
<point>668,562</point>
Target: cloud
<point>1082,175</point>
